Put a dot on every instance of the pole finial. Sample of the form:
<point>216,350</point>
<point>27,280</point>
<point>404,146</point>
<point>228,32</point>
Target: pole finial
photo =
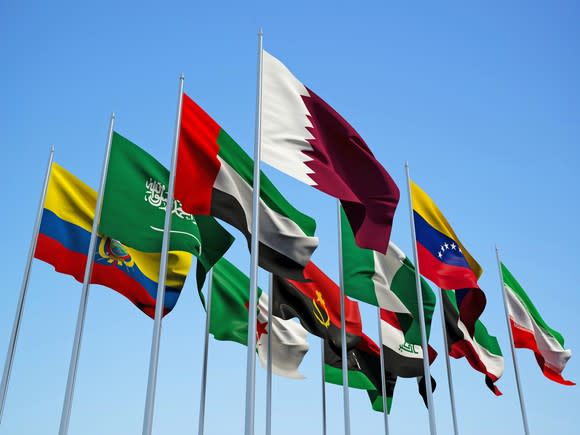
<point>181,76</point>
<point>112,115</point>
<point>52,148</point>
<point>260,32</point>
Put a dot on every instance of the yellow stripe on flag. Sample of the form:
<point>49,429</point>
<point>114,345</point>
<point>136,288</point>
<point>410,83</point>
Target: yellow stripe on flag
<point>424,206</point>
<point>75,202</point>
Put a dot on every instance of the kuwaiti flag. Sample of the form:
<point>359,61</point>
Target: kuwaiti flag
<point>229,321</point>
<point>307,139</point>
<point>482,351</point>
<point>215,177</point>
<point>530,331</point>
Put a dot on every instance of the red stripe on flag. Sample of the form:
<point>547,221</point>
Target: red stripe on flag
<point>73,263</point>
<point>464,348</point>
<point>525,339</point>
<point>197,162</point>
<point>446,276</point>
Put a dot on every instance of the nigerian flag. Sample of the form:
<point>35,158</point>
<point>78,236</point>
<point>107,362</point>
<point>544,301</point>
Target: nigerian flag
<point>134,204</point>
<point>530,331</point>
<point>229,321</point>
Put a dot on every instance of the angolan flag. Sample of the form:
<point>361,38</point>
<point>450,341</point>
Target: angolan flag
<point>316,303</point>
<point>215,177</point>
<point>307,139</point>
<point>482,351</point>
<point>530,331</point>
<point>229,321</point>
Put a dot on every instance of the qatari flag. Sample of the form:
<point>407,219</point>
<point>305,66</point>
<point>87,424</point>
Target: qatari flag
<point>307,139</point>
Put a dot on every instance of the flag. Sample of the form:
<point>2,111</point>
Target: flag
<point>229,321</point>
<point>63,242</point>
<point>402,358</point>
<point>530,331</point>
<point>134,203</point>
<point>307,139</point>
<point>364,371</point>
<point>482,351</point>
<point>372,277</point>
<point>215,177</point>
<point>444,260</point>
<point>316,303</point>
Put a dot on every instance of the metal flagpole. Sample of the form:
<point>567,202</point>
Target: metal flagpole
<point>343,329</point>
<point>251,355</point>
<point>160,299</point>
<point>269,362</point>
<point>383,376</point>
<point>514,359</point>
<point>205,355</point>
<point>74,359</point>
<point>323,388</point>
<point>24,289</point>
<point>424,344</point>
<point>448,364</point>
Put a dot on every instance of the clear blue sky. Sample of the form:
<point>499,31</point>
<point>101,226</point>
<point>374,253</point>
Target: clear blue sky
<point>482,98</point>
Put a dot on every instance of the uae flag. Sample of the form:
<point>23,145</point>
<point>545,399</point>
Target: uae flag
<point>530,331</point>
<point>229,322</point>
<point>307,139</point>
<point>481,350</point>
<point>316,303</point>
<point>215,177</point>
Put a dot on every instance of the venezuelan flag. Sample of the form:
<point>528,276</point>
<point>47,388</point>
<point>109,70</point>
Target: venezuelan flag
<point>442,257</point>
<point>63,242</point>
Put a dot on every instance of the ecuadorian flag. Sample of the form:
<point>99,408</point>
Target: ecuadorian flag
<point>442,257</point>
<point>63,242</point>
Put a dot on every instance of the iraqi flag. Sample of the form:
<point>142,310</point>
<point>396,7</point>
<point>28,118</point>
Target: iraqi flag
<point>215,177</point>
<point>316,303</point>
<point>307,139</point>
<point>229,322</point>
<point>530,331</point>
<point>481,350</point>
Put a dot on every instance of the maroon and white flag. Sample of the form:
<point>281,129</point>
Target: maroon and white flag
<point>307,139</point>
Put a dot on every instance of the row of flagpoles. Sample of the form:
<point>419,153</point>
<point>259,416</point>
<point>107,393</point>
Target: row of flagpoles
<point>252,313</point>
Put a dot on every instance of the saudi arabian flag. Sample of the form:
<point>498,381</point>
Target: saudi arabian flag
<point>530,331</point>
<point>134,204</point>
<point>229,321</point>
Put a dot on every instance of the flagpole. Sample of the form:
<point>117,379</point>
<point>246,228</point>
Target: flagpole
<point>205,355</point>
<point>160,299</point>
<point>74,359</point>
<point>323,388</point>
<point>424,344</point>
<point>343,329</point>
<point>269,362</point>
<point>448,364</point>
<point>24,289</point>
<point>251,351</point>
<point>383,376</point>
<point>512,346</point>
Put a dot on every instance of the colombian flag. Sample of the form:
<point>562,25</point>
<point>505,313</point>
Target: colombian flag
<point>63,242</point>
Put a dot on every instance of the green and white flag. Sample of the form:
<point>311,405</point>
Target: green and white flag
<point>530,331</point>
<point>384,280</point>
<point>229,322</point>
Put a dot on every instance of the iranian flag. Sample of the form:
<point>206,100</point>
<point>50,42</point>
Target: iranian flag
<point>530,331</point>
<point>215,177</point>
<point>307,139</point>
<point>481,350</point>
<point>229,322</point>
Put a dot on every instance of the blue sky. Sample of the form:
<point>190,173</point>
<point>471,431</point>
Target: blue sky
<point>482,98</point>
